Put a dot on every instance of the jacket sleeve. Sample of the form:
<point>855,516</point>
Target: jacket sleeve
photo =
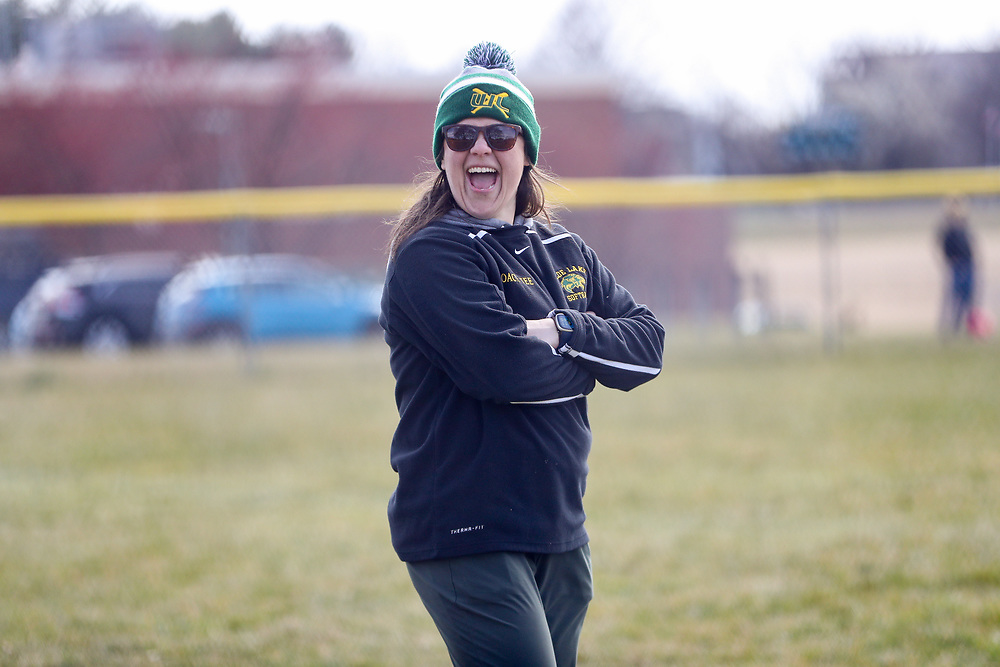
<point>618,340</point>
<point>441,301</point>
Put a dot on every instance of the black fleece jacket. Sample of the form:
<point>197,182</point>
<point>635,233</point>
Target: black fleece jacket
<point>493,436</point>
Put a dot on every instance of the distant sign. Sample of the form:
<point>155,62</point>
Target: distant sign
<point>830,141</point>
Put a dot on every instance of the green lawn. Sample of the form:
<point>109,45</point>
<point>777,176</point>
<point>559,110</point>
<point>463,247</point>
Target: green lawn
<point>758,504</point>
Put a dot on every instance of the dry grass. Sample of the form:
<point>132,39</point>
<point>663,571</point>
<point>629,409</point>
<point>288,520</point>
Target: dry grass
<point>758,504</point>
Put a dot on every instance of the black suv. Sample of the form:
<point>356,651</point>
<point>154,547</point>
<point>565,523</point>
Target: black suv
<point>102,304</point>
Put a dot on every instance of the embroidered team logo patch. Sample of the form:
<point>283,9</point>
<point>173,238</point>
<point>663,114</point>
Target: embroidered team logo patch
<point>574,282</point>
<point>482,100</point>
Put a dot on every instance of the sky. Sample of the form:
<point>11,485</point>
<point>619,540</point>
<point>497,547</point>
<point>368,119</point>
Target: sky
<point>763,55</point>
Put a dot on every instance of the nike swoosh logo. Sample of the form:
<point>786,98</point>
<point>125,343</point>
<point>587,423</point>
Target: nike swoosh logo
<point>518,252</point>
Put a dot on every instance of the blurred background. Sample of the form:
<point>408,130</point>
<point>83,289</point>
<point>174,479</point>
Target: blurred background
<point>109,98</point>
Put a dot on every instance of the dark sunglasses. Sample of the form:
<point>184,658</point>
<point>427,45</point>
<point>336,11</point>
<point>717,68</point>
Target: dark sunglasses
<point>499,137</point>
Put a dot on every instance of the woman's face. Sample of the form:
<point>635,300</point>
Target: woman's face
<point>484,181</point>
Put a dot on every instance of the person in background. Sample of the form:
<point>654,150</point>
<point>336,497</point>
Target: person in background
<point>499,323</point>
<point>956,246</point>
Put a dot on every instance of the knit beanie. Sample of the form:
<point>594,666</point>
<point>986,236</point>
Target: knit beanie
<point>488,87</point>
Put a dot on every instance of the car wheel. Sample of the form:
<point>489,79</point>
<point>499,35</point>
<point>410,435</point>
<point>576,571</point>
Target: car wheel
<point>106,335</point>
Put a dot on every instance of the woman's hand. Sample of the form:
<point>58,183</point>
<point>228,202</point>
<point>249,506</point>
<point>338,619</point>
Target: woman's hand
<point>545,330</point>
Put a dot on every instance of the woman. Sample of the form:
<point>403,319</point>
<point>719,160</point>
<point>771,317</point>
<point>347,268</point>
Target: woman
<point>499,325</point>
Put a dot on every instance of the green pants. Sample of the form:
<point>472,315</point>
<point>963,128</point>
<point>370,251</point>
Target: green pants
<point>508,608</point>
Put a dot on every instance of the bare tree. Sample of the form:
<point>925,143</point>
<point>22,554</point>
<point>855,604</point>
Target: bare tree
<point>918,108</point>
<point>579,39</point>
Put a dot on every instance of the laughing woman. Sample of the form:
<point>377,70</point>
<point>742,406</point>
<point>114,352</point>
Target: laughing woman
<point>499,323</point>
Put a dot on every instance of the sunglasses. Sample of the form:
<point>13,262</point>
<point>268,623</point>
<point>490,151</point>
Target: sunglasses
<point>499,137</point>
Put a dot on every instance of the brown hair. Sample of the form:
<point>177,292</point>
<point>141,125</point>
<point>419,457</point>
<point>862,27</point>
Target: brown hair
<point>434,199</point>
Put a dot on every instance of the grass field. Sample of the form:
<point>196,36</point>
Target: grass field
<point>758,504</point>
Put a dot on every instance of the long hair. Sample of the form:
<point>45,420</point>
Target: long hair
<point>434,199</point>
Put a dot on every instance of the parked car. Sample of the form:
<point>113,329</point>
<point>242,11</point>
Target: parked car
<point>103,303</point>
<point>259,298</point>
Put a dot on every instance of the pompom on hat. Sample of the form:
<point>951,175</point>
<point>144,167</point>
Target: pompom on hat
<point>488,87</point>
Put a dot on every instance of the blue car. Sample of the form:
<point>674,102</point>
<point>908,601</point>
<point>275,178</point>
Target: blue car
<point>263,298</point>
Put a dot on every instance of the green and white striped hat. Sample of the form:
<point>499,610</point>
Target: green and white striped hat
<point>488,87</point>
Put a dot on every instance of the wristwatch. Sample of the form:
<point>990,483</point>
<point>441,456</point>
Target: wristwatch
<point>564,327</point>
<point>563,323</point>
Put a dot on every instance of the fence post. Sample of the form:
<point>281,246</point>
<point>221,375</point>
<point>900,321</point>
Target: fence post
<point>830,274</point>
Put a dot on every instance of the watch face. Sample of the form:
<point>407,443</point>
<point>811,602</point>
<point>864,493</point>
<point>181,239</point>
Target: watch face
<point>563,322</point>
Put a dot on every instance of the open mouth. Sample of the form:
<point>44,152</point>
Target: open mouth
<point>482,179</point>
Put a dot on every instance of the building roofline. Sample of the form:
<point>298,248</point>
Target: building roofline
<point>261,80</point>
